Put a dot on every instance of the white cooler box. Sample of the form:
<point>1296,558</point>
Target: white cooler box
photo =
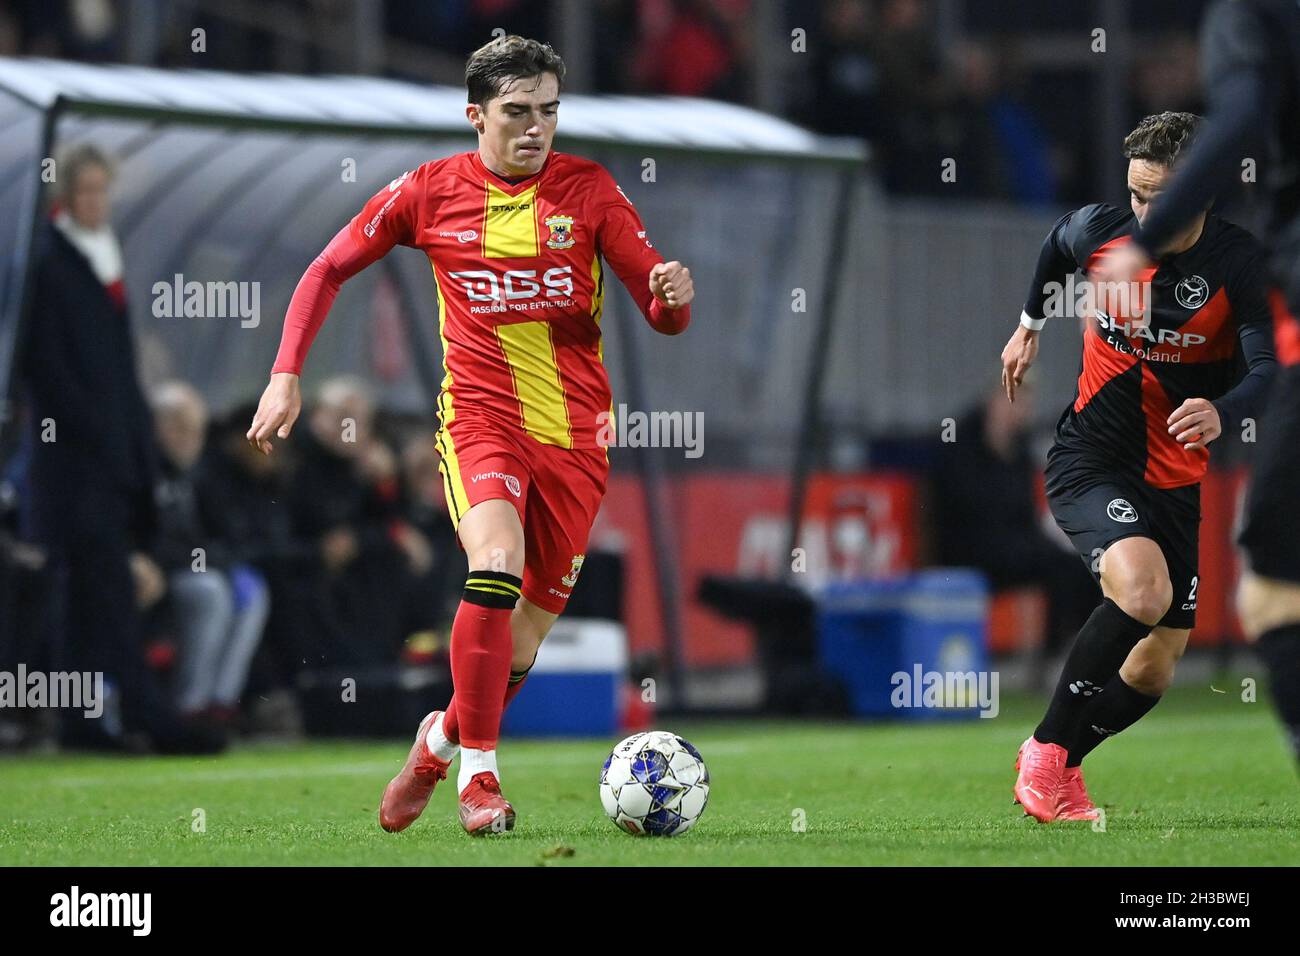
<point>575,687</point>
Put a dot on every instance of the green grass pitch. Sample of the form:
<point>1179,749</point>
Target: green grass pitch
<point>1204,780</point>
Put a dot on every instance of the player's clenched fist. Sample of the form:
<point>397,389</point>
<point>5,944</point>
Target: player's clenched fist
<point>276,412</point>
<point>670,283</point>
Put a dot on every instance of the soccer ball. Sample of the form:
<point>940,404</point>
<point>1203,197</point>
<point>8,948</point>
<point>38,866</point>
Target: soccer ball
<point>654,784</point>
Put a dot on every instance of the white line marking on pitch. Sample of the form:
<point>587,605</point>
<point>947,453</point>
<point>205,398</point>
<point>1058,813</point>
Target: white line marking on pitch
<point>372,768</point>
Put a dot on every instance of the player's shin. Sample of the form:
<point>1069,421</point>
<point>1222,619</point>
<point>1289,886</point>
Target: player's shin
<point>480,664</point>
<point>1280,649</point>
<point>1098,652</point>
<point>444,735</point>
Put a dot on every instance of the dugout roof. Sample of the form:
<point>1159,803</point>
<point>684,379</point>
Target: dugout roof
<point>225,175</point>
<point>392,107</point>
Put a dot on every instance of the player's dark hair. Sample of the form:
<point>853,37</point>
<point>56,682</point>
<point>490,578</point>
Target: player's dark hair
<point>507,58</point>
<point>1159,138</point>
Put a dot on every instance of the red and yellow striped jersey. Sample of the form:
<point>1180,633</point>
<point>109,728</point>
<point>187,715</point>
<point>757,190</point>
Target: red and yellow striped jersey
<point>520,286</point>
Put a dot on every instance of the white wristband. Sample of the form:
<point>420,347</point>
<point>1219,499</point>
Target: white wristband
<point>1032,324</point>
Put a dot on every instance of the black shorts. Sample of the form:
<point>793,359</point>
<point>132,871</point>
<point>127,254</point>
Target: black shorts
<point>1096,507</point>
<point>1271,528</point>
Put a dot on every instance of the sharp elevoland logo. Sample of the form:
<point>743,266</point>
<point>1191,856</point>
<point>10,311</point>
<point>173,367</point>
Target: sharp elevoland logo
<point>75,908</point>
<point>1135,330</point>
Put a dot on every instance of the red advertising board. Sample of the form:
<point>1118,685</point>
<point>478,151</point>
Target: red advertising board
<point>862,525</point>
<point>735,523</point>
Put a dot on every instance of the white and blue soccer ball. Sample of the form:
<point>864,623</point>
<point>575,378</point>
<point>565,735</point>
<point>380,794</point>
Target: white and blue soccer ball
<point>654,784</point>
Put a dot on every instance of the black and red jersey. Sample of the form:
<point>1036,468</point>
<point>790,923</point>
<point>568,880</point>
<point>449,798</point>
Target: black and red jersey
<point>1206,334</point>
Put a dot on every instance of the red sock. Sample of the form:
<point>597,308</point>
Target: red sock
<point>480,656</point>
<point>451,724</point>
<point>516,684</point>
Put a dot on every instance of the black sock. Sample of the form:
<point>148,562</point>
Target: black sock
<point>1116,708</point>
<point>1280,649</point>
<point>1103,642</point>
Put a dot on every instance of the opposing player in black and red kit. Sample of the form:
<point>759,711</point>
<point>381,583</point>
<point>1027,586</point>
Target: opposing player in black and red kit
<point>1250,56</point>
<point>515,234</point>
<point>1162,377</point>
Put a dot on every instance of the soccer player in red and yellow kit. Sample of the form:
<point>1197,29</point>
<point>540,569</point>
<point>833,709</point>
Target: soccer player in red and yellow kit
<point>515,234</point>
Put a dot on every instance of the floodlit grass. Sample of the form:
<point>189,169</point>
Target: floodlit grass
<point>1204,780</point>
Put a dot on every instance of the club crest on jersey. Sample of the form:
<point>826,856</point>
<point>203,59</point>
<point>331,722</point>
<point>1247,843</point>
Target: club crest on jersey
<point>570,579</point>
<point>561,236</point>
<point>1121,511</point>
<point>1192,292</point>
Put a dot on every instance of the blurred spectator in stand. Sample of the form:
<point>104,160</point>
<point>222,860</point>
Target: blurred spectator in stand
<point>92,32</point>
<point>257,530</point>
<point>90,438</point>
<point>614,39</point>
<point>692,48</point>
<point>1166,77</point>
<point>24,612</point>
<point>39,28</point>
<point>845,78</point>
<point>345,497</point>
<point>11,36</point>
<point>1003,152</point>
<point>919,127</point>
<point>437,567</point>
<point>986,516</point>
<point>525,17</point>
<point>219,606</point>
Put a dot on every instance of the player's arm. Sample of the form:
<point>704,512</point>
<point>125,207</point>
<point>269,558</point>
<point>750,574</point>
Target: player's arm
<point>388,219</point>
<point>1235,47</point>
<point>1057,261</point>
<point>662,290</point>
<point>1197,422</point>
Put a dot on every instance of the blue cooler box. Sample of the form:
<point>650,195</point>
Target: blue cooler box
<point>575,686</point>
<point>889,640</point>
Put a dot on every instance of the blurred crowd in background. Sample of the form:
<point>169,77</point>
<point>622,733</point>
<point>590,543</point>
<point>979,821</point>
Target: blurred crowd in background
<point>918,78</point>
<point>141,539</point>
<point>216,586</point>
<point>335,554</point>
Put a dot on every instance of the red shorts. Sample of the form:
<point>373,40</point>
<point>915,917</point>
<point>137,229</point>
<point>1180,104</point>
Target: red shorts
<point>556,491</point>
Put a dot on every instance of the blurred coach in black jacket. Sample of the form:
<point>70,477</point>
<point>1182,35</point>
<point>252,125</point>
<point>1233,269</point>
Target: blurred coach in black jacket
<point>90,494</point>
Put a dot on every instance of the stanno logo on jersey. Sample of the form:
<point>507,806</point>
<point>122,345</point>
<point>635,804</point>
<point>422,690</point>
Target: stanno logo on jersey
<point>561,236</point>
<point>1192,292</point>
